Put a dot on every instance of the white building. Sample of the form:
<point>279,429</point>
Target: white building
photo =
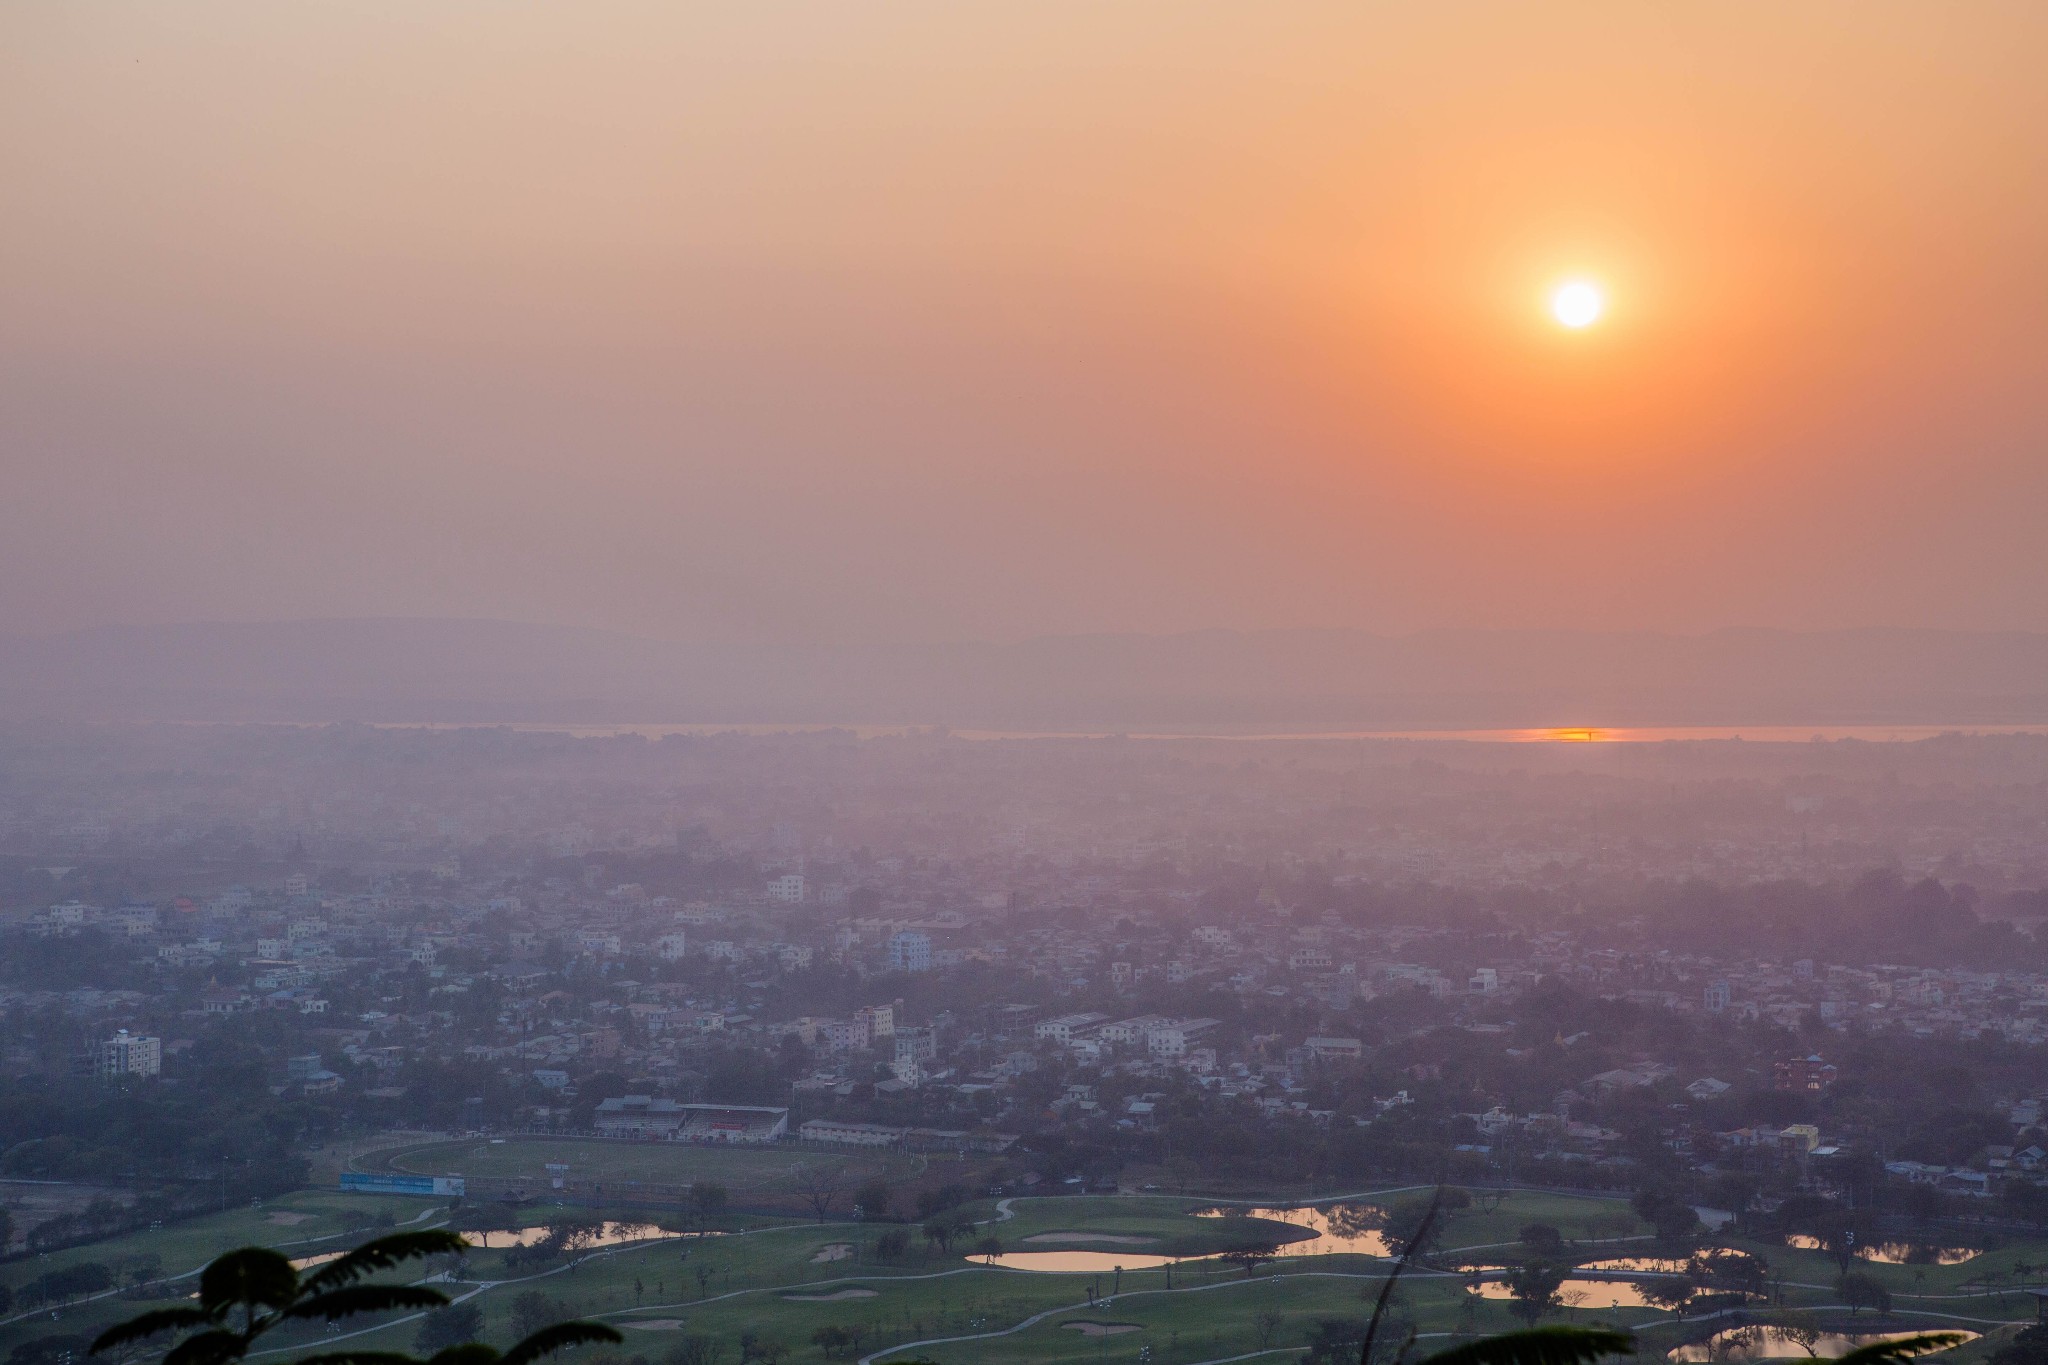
<point>788,889</point>
<point>128,1054</point>
<point>1063,1029</point>
<point>910,951</point>
<point>850,1134</point>
<point>1169,1037</point>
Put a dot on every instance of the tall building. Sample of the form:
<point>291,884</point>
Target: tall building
<point>128,1054</point>
<point>910,951</point>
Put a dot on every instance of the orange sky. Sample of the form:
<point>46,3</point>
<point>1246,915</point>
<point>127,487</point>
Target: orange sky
<point>936,320</point>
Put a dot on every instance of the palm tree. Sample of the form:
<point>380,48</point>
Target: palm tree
<point>245,1294</point>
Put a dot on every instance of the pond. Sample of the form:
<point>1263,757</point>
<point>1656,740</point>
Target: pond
<point>604,1234</point>
<point>1640,1265</point>
<point>1895,1252</point>
<point>1350,1229</point>
<point>1577,1293</point>
<point>1077,1262</point>
<point>1771,1343</point>
<point>1659,1265</point>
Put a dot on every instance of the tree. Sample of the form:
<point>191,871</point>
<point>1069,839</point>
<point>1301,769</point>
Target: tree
<point>246,1294</point>
<point>1732,1272</point>
<point>450,1326</point>
<point>872,1199</point>
<point>755,1345</point>
<point>939,1233</point>
<point>1534,1287</point>
<point>1668,1291</point>
<point>1839,1241</point>
<point>822,1187</point>
<point>1802,1329</point>
<point>1901,1348</point>
<point>1411,1228</point>
<point>1860,1290</point>
<point>1925,1203</point>
<point>990,1247</point>
<point>707,1200</point>
<point>73,1282</point>
<point>2029,1347</point>
<point>1249,1256</point>
<point>945,1197</point>
<point>60,1349</point>
<point>1542,1238</point>
<point>1666,1211</point>
<point>1586,1345</point>
<point>1265,1324</point>
<point>532,1311</point>
<point>893,1245</point>
<point>1334,1341</point>
<point>696,1350</point>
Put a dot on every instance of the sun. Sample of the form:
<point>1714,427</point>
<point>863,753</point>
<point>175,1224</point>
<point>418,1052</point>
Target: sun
<point>1577,303</point>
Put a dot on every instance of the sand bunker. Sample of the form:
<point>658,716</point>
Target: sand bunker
<point>830,1298</point>
<point>284,1219</point>
<point>837,1251</point>
<point>1091,1237</point>
<point>654,1325</point>
<point>1101,1329</point>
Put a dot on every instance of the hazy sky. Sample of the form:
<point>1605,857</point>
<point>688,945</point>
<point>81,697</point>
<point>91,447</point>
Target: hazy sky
<point>994,319</point>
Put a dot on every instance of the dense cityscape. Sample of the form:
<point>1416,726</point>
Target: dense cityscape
<point>1113,964</point>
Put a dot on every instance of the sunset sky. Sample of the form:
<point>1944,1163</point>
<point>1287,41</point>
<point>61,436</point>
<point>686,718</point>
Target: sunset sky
<point>827,320</point>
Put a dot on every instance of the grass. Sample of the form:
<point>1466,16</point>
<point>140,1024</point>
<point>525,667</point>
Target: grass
<point>1213,1310</point>
<point>751,1174</point>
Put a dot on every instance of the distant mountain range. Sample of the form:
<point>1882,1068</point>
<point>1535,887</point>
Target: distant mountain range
<point>497,671</point>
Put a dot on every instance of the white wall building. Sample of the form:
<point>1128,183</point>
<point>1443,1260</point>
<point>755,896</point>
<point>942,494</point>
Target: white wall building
<point>128,1054</point>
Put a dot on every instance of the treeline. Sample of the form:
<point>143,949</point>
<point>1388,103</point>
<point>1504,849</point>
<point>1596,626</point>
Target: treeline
<point>221,1125</point>
<point>1880,917</point>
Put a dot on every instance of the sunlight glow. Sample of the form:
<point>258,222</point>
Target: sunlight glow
<point>1577,303</point>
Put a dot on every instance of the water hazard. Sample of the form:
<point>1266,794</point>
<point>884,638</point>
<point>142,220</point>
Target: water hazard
<point>1079,1262</point>
<point>1340,1229</point>
<point>1772,1343</point>
<point>606,1234</point>
<point>1895,1252</point>
<point>1577,1293</point>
